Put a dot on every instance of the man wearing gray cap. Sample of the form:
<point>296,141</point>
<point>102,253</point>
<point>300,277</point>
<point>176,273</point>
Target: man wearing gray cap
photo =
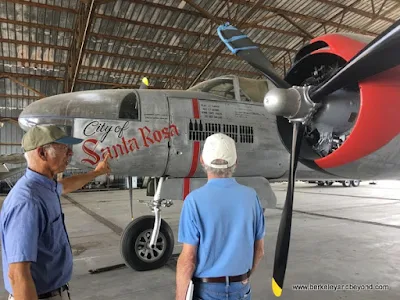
<point>36,253</point>
<point>222,230</point>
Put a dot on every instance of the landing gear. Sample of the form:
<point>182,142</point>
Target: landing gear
<point>346,183</point>
<point>148,241</point>
<point>135,244</point>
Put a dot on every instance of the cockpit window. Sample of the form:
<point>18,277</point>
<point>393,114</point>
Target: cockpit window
<point>129,107</point>
<point>235,88</point>
<point>223,87</point>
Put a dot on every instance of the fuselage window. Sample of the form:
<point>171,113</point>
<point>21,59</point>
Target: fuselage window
<point>129,107</point>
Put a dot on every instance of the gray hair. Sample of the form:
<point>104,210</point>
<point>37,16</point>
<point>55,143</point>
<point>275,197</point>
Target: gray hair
<point>221,173</point>
<point>30,155</point>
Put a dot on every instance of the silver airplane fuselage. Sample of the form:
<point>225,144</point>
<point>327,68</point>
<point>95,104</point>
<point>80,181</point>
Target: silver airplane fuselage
<point>161,133</point>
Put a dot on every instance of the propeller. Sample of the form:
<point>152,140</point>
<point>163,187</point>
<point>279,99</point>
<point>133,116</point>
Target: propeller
<point>298,104</point>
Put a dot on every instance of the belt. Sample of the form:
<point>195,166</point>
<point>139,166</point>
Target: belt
<point>223,278</point>
<point>54,293</point>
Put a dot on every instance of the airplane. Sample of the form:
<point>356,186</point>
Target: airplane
<point>334,115</point>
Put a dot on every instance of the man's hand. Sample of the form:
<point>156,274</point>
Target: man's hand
<point>76,182</point>
<point>103,167</point>
<point>184,270</point>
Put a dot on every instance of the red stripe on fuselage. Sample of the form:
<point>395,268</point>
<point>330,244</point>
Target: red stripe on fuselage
<point>196,109</point>
<point>195,153</point>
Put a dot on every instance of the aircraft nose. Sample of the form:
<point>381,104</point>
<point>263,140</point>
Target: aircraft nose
<point>50,110</point>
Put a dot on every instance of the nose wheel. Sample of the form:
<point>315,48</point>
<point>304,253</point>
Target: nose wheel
<point>136,249</point>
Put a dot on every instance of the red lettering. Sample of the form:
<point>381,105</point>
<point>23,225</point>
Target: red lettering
<point>125,146</point>
<point>157,135</point>
<point>131,141</point>
<point>145,137</point>
<point>116,151</point>
<point>108,151</point>
<point>85,147</point>
<point>174,130</point>
<point>165,132</point>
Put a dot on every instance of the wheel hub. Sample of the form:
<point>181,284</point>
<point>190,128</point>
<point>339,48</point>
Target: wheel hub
<point>143,249</point>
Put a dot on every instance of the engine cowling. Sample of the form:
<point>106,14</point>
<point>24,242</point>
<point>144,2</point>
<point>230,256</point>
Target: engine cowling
<point>352,122</point>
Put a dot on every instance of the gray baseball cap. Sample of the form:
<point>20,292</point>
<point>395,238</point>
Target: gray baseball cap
<point>44,134</point>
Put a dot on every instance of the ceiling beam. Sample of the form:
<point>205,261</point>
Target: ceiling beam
<point>82,25</point>
<point>300,28</point>
<point>35,25</point>
<point>46,6</point>
<point>293,14</point>
<point>203,12</point>
<point>189,32</point>
<point>178,48</point>
<point>357,11</point>
<point>47,78</point>
<point>33,44</point>
<point>163,62</point>
<point>19,96</point>
<point>31,61</point>
<point>12,77</point>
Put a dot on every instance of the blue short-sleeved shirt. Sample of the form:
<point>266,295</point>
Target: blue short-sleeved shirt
<point>224,219</point>
<point>32,229</point>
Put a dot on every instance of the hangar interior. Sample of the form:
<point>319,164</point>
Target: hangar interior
<point>341,236</point>
<point>50,47</point>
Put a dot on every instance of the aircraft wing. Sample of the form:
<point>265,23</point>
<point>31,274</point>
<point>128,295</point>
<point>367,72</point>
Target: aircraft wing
<point>6,173</point>
<point>15,158</point>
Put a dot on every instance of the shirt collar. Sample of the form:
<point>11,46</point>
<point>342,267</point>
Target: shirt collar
<point>221,181</point>
<point>41,179</point>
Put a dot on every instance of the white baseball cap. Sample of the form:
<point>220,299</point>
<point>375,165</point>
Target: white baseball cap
<point>219,146</point>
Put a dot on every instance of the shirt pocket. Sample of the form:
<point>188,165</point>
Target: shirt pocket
<point>58,237</point>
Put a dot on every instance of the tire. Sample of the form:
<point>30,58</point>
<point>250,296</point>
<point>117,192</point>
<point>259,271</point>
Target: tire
<point>137,233</point>
<point>329,183</point>
<point>355,183</point>
<point>346,183</point>
<point>321,183</point>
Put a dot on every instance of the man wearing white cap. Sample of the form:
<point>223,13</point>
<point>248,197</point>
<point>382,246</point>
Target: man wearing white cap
<point>222,229</point>
<point>36,254</point>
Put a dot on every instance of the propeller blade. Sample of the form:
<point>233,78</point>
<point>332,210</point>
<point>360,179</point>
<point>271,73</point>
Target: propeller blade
<point>379,55</point>
<point>283,240</point>
<point>238,43</point>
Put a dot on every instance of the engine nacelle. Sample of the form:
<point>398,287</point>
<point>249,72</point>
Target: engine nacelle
<point>352,122</point>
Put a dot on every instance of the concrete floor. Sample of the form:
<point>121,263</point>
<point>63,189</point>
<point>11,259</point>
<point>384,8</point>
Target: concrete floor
<point>339,236</point>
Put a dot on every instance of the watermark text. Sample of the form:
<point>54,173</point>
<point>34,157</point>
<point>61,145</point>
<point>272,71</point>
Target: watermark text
<point>340,287</point>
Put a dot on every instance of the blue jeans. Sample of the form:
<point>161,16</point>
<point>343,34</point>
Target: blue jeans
<point>222,291</point>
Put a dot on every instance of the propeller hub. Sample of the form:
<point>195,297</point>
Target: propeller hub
<point>292,103</point>
<point>282,102</point>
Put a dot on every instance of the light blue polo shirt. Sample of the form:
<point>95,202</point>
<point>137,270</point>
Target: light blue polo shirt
<point>32,229</point>
<point>224,219</point>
